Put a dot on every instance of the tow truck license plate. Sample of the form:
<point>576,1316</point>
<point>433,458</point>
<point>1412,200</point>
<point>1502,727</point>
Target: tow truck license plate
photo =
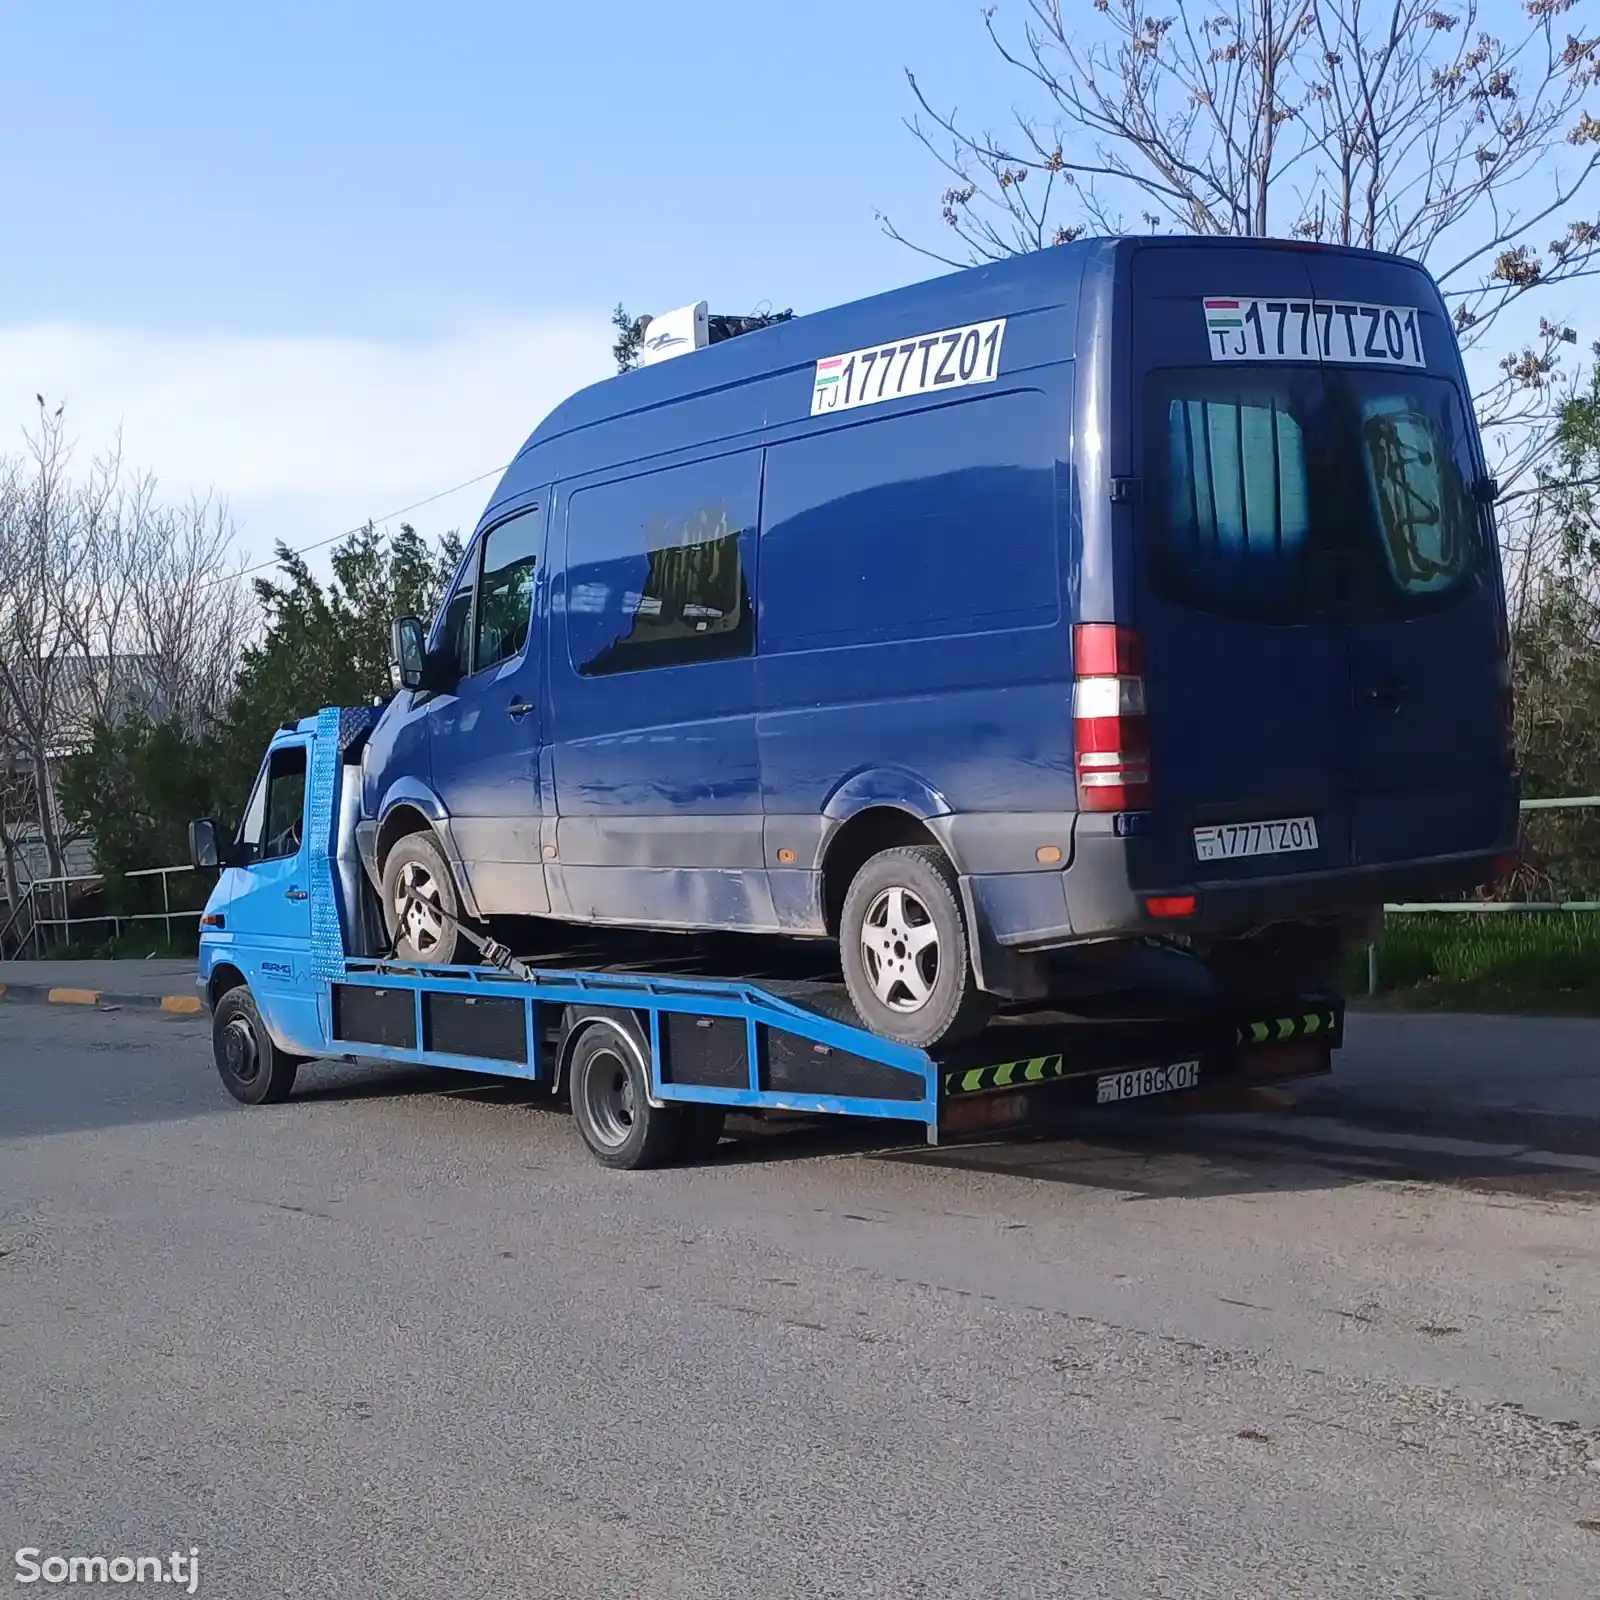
<point>1229,839</point>
<point>1147,1080</point>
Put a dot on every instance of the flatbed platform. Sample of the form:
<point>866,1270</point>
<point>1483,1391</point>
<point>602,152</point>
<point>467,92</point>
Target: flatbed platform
<point>655,1038</point>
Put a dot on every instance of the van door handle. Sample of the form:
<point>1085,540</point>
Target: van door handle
<point>518,709</point>
<point>294,894</point>
<point>1387,695</point>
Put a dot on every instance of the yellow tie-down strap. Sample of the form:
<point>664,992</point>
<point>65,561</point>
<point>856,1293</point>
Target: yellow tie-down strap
<point>1036,1069</point>
<point>1298,1025</point>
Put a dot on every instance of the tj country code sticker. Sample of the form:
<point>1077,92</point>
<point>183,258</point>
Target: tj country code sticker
<point>1246,329</point>
<point>946,360</point>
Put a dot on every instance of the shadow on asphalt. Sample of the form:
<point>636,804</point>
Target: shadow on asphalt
<point>1165,1151</point>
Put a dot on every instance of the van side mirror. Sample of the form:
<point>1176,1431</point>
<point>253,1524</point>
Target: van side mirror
<point>1486,491</point>
<point>207,849</point>
<point>408,647</point>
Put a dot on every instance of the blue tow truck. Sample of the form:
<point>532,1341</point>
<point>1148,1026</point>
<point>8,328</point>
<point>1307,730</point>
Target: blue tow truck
<point>654,1044</point>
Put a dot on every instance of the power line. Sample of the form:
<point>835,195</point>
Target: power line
<point>388,516</point>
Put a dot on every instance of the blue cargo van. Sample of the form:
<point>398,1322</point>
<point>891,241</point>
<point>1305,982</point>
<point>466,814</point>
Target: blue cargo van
<point>1136,588</point>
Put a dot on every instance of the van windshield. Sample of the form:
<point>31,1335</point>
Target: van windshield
<point>1289,494</point>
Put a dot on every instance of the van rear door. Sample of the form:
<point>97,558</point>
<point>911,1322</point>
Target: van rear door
<point>1431,751</point>
<point>1250,715</point>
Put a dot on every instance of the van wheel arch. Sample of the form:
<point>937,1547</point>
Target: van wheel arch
<point>405,819</point>
<point>856,841</point>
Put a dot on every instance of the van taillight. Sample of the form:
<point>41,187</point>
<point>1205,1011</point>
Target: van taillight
<point>1110,729</point>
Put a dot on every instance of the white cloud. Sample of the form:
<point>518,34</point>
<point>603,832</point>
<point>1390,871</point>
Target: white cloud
<point>306,437</point>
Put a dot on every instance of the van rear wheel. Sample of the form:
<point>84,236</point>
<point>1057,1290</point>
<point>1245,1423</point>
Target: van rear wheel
<point>420,901</point>
<point>906,950</point>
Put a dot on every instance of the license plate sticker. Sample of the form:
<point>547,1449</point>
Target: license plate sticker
<point>1143,1081</point>
<point>1227,841</point>
<point>949,359</point>
<point>1249,328</point>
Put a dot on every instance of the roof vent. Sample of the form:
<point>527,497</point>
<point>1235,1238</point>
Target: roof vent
<point>678,332</point>
<point>675,334</point>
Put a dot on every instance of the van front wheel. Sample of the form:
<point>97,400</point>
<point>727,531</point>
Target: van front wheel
<point>420,901</point>
<point>906,951</point>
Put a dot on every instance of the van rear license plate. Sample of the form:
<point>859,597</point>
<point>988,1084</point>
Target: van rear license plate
<point>1232,839</point>
<point>1147,1080</point>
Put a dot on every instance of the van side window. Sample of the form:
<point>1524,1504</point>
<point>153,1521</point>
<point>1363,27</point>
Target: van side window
<point>505,593</point>
<point>273,823</point>
<point>656,567</point>
<point>455,633</point>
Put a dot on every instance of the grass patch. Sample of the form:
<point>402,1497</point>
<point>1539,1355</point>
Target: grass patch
<point>1497,960</point>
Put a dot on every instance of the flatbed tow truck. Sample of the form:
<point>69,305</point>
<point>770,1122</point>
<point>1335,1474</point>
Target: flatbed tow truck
<point>654,1053</point>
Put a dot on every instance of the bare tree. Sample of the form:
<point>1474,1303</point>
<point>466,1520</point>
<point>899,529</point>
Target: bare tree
<point>110,603</point>
<point>1398,125</point>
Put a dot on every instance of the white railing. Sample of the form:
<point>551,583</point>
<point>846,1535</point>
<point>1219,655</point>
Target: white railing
<point>54,895</point>
<point>1489,907</point>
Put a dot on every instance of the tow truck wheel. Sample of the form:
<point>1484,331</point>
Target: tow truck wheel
<point>252,1067</point>
<point>420,901</point>
<point>608,1084</point>
<point>904,947</point>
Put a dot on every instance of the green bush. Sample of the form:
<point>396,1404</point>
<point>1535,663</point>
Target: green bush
<point>1531,953</point>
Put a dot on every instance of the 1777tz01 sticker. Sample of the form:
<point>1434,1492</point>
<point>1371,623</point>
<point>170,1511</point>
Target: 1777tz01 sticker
<point>1244,328</point>
<point>949,359</point>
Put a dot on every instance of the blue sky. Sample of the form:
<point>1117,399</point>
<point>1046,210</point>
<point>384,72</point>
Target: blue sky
<point>330,259</point>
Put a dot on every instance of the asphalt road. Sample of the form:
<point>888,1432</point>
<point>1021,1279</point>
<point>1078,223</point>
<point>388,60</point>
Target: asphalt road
<point>400,1337</point>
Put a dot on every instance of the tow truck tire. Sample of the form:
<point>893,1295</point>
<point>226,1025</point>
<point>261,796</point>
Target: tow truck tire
<point>254,1070</point>
<point>416,863</point>
<point>608,1085</point>
<point>906,952</point>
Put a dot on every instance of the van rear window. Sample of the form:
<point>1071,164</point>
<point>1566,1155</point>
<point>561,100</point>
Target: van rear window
<point>1286,495</point>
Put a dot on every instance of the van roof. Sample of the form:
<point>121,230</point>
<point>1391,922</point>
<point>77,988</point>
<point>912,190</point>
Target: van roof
<point>1033,281</point>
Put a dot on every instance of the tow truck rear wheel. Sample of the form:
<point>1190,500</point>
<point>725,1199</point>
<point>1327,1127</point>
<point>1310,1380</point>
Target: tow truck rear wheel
<point>608,1083</point>
<point>254,1070</point>
<point>420,901</point>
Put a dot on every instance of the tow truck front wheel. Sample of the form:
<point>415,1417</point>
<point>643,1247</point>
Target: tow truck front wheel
<point>252,1067</point>
<point>610,1093</point>
<point>420,901</point>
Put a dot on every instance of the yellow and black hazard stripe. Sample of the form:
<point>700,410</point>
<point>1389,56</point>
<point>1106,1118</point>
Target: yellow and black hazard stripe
<point>1036,1069</point>
<point>1300,1025</point>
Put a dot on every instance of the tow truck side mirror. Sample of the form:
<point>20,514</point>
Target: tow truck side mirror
<point>408,646</point>
<point>207,851</point>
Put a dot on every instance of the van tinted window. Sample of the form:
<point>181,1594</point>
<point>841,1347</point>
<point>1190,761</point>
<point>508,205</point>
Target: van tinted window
<point>656,567</point>
<point>505,602</point>
<point>916,526</point>
<point>1237,507</point>
<point>1418,480</point>
<point>1287,494</point>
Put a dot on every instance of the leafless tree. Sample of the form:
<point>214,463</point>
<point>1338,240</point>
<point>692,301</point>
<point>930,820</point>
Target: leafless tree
<point>1399,125</point>
<point>111,602</point>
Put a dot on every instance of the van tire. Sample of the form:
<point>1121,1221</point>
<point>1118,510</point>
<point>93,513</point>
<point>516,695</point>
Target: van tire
<point>608,1086</point>
<point>416,862</point>
<point>252,1068</point>
<point>919,990</point>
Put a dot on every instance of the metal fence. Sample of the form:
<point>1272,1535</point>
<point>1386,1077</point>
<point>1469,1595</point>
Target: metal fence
<point>1489,907</point>
<point>44,916</point>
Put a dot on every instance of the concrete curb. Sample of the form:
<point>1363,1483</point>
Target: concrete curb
<point>182,1005</point>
